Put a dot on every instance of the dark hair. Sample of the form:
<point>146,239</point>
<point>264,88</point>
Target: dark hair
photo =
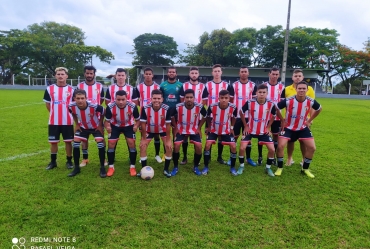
<point>262,86</point>
<point>148,69</point>
<point>157,91</point>
<point>297,71</point>
<point>120,70</point>
<point>194,68</point>
<point>243,66</point>
<point>216,65</point>
<point>89,68</point>
<point>172,67</point>
<point>274,69</point>
<point>79,92</point>
<point>223,92</point>
<point>301,83</point>
<point>121,93</point>
<point>187,91</point>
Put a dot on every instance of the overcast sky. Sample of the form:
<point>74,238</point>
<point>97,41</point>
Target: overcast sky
<point>113,24</point>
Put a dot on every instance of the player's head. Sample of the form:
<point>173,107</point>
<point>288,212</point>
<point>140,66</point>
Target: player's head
<point>89,73</point>
<point>224,97</point>
<point>297,76</point>
<point>216,72</point>
<point>79,96</point>
<point>121,98</point>
<point>148,74</point>
<point>262,92</point>
<point>189,97</point>
<point>61,74</point>
<point>157,98</point>
<point>274,75</point>
<point>121,76</point>
<point>243,73</point>
<point>194,74</point>
<point>301,88</point>
<point>171,73</point>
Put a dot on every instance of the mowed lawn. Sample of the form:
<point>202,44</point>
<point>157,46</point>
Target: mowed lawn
<point>185,211</point>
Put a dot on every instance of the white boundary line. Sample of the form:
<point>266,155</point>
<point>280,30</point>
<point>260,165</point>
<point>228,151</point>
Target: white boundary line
<point>11,107</point>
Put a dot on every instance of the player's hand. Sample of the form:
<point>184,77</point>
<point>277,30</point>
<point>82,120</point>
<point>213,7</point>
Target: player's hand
<point>134,128</point>
<point>308,123</point>
<point>199,132</point>
<point>232,132</point>
<point>77,128</point>
<point>100,128</point>
<point>268,132</point>
<point>109,129</point>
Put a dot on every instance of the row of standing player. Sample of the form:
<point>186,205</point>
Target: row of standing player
<point>242,89</point>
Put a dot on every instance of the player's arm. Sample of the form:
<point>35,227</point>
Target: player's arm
<point>135,97</point>
<point>209,119</point>
<point>143,121</point>
<point>233,120</point>
<point>254,93</point>
<point>281,105</point>
<point>205,96</point>
<point>272,118</point>
<point>47,100</point>
<point>181,93</point>
<point>100,110</point>
<point>242,112</point>
<point>231,90</point>
<point>108,116</point>
<point>136,115</point>
<point>317,109</point>
<point>107,97</point>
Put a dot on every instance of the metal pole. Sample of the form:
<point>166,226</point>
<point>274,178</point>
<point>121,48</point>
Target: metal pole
<point>349,90</point>
<point>78,80</point>
<point>45,81</point>
<point>29,80</point>
<point>285,55</point>
<point>13,79</point>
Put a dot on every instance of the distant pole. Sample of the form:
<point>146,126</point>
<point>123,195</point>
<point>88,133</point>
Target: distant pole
<point>13,79</point>
<point>78,80</point>
<point>285,56</point>
<point>29,79</point>
<point>349,90</point>
<point>45,81</point>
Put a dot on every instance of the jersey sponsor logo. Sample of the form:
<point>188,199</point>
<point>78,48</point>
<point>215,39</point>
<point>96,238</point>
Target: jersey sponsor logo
<point>59,102</point>
<point>297,117</point>
<point>171,96</point>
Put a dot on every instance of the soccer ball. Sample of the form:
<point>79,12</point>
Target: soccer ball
<point>147,173</point>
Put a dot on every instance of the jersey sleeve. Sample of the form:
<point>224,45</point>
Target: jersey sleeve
<point>203,112</point>
<point>135,113</point>
<point>282,95</point>
<point>137,93</point>
<point>107,95</point>
<point>205,93</point>
<point>209,112</point>
<point>102,93</point>
<point>281,105</point>
<point>181,92</point>
<point>245,107</point>
<point>134,94</point>
<point>273,110</point>
<point>108,114</point>
<point>175,111</point>
<point>47,98</point>
<point>100,109</point>
<point>235,112</point>
<point>254,90</point>
<point>143,116</point>
<point>169,114</point>
<point>230,88</point>
<point>316,106</point>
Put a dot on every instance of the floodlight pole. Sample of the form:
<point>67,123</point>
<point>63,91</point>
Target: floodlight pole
<point>29,79</point>
<point>349,90</point>
<point>285,55</point>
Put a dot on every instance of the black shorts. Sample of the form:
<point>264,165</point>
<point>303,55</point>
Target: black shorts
<point>275,127</point>
<point>262,139</point>
<point>238,126</point>
<point>194,138</point>
<point>149,135</point>
<point>226,139</point>
<point>84,134</point>
<point>56,130</point>
<point>127,131</point>
<point>293,136</point>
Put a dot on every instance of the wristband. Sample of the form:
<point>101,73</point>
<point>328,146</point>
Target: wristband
<point>232,127</point>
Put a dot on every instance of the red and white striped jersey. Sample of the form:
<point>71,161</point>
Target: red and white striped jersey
<point>274,93</point>
<point>242,93</point>
<point>87,118</point>
<point>112,89</point>
<point>258,115</point>
<point>155,120</point>
<point>144,92</point>
<point>221,118</point>
<point>198,90</point>
<point>94,92</point>
<point>122,117</point>
<point>297,112</point>
<point>212,90</point>
<point>188,119</point>
<point>59,98</point>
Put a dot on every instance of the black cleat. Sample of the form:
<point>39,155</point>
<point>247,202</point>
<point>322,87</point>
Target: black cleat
<point>51,166</point>
<point>221,161</point>
<point>74,172</point>
<point>103,174</point>
<point>259,161</point>
<point>69,165</point>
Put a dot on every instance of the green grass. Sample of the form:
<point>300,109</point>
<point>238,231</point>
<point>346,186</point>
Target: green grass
<point>186,211</point>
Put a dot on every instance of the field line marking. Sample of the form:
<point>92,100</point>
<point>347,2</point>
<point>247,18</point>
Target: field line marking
<point>11,107</point>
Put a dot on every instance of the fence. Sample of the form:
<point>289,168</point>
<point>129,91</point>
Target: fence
<point>23,80</point>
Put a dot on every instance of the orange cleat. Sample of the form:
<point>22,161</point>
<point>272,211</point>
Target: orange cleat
<point>110,171</point>
<point>132,171</point>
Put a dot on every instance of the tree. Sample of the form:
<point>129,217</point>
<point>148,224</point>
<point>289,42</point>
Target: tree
<point>154,49</point>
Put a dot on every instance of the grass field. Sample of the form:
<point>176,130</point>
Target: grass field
<point>186,211</point>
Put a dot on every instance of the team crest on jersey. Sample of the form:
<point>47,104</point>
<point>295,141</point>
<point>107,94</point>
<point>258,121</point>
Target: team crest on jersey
<point>97,91</point>
<point>195,115</point>
<point>161,117</point>
<point>90,115</point>
<point>68,93</point>
<point>129,114</point>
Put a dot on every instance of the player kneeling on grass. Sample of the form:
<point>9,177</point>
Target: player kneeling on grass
<point>189,124</point>
<point>121,116</point>
<point>88,118</point>
<point>156,120</point>
<point>221,119</point>
<point>260,119</point>
<point>296,126</point>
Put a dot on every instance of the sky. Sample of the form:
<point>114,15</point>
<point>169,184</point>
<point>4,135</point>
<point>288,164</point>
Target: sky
<point>114,24</point>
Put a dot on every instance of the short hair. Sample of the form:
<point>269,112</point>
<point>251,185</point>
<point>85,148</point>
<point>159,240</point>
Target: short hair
<point>243,66</point>
<point>157,91</point>
<point>262,86</point>
<point>89,68</point>
<point>194,68</point>
<point>121,93</point>
<point>274,69</point>
<point>187,91</point>
<point>216,65</point>
<point>120,70</point>
<point>61,69</point>
<point>297,71</point>
<point>79,92</point>
<point>223,92</point>
<point>301,83</point>
<point>148,69</point>
<point>172,67</point>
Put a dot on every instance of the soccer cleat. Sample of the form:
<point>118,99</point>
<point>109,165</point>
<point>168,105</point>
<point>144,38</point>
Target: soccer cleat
<point>278,171</point>
<point>184,161</point>
<point>269,172</point>
<point>205,171</point>
<point>105,163</point>
<point>221,161</point>
<point>103,174</point>
<point>166,173</point>
<point>74,172</point>
<point>84,162</point>
<point>251,162</point>
<point>289,162</point>
<point>133,172</point>
<point>51,166</point>
<point>175,171</point>
<point>233,171</point>
<point>240,170</point>
<point>308,173</point>
<point>259,161</point>
<point>197,171</point>
<point>229,162</point>
<point>69,165</point>
<point>110,171</point>
<point>273,162</point>
<point>159,159</point>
